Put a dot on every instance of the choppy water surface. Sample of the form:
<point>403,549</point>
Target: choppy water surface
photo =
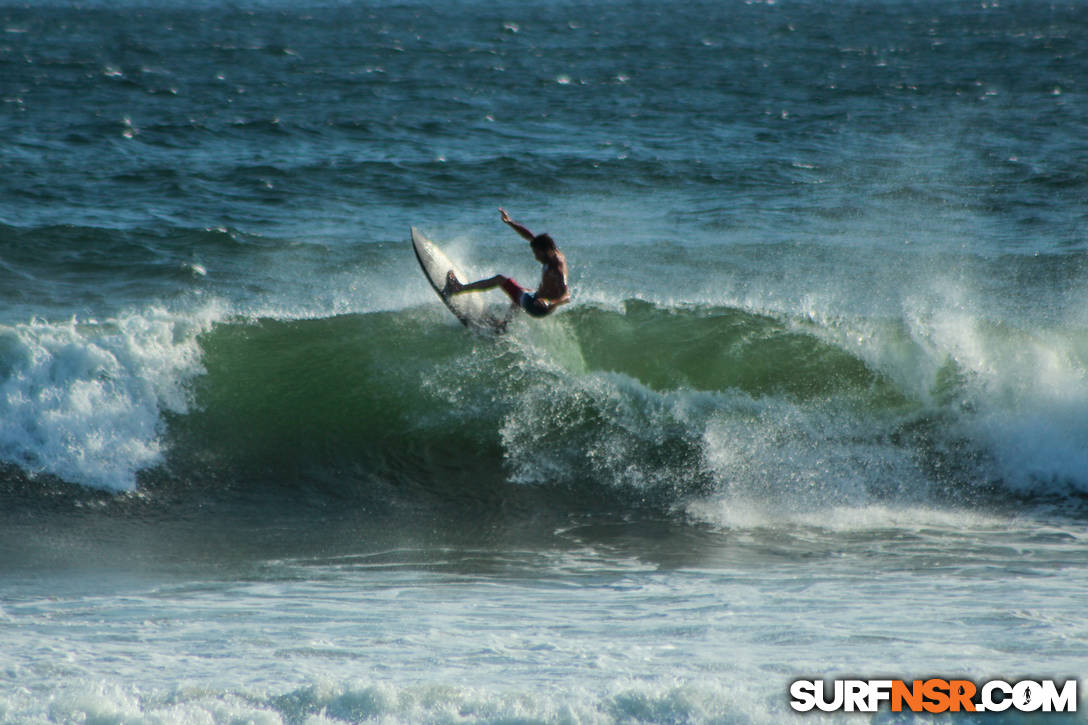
<point>819,407</point>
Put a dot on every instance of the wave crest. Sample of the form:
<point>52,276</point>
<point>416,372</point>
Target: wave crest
<point>644,404</point>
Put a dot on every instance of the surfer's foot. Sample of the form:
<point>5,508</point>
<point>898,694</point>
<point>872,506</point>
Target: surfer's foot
<point>452,285</point>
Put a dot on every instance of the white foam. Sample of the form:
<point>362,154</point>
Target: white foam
<point>745,512</point>
<point>1023,392</point>
<point>112,702</point>
<point>83,400</point>
<point>1016,389</point>
<point>622,700</point>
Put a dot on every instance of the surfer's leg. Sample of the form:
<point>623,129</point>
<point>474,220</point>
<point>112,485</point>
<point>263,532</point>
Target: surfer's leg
<point>453,286</point>
<point>514,291</point>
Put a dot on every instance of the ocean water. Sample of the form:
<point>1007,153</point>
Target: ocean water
<point>818,408</point>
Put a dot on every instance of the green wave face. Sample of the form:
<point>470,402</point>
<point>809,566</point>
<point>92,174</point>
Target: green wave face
<point>715,349</point>
<point>629,404</point>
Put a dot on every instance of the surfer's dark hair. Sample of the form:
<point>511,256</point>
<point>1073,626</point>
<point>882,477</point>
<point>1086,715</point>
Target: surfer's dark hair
<point>542,241</point>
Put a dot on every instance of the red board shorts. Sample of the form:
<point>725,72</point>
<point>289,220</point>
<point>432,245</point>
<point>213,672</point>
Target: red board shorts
<point>523,298</point>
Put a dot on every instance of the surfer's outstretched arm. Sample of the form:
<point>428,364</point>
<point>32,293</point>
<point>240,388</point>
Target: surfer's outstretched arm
<point>519,228</point>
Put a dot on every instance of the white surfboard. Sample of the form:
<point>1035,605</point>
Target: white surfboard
<point>470,308</point>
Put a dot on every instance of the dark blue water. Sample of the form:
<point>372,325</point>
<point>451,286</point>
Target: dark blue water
<point>828,263</point>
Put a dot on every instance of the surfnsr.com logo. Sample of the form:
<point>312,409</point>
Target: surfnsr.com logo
<point>934,695</point>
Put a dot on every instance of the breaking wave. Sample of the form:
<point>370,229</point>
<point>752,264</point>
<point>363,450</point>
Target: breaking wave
<point>639,403</point>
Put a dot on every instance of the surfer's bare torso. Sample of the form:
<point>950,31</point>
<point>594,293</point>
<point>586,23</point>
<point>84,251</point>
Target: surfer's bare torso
<point>553,290</point>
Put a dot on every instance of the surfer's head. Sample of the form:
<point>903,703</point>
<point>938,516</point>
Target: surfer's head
<point>542,245</point>
<point>542,241</point>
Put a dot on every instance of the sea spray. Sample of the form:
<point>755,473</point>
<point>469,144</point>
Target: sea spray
<point>83,400</point>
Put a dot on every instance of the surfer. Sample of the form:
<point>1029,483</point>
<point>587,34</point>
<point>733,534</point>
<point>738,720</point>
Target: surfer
<point>553,290</point>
